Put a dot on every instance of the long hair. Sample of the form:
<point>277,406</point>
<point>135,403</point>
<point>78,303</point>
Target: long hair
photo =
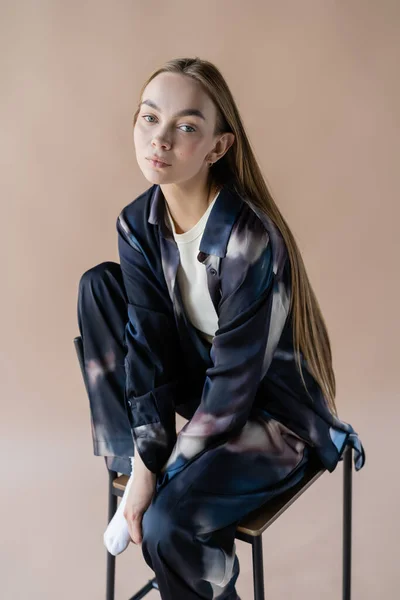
<point>239,167</point>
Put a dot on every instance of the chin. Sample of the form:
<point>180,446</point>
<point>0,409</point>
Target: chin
<point>153,179</point>
<point>154,176</point>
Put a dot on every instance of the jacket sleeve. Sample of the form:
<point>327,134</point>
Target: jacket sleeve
<point>152,351</point>
<point>252,314</point>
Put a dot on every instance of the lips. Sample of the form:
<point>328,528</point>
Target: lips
<point>158,160</point>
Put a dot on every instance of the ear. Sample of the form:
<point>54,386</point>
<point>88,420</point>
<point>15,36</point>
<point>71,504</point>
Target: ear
<point>222,146</point>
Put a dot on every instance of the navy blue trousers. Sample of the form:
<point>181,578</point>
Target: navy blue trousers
<point>189,527</point>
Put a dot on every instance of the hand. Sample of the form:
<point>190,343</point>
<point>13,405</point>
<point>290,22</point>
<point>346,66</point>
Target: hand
<point>138,500</point>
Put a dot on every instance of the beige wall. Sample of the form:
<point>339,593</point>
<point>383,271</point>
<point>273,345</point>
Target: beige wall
<point>317,85</point>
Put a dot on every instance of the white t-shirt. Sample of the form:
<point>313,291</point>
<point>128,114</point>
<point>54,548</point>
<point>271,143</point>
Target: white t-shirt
<point>192,277</point>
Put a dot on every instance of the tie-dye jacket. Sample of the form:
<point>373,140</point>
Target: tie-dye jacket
<point>249,368</point>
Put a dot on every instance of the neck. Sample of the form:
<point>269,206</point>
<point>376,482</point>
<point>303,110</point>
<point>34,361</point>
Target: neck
<point>187,202</point>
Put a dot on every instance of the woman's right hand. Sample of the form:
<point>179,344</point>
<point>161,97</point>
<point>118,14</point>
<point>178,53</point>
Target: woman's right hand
<point>139,498</point>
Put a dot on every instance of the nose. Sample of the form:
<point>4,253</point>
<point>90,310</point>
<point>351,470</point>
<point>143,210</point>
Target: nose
<point>160,142</point>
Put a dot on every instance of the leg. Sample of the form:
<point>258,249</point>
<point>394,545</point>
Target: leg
<point>112,507</point>
<point>102,316</point>
<point>347,501</point>
<point>258,568</point>
<point>189,528</point>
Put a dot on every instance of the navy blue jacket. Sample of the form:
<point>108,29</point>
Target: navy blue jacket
<point>249,368</point>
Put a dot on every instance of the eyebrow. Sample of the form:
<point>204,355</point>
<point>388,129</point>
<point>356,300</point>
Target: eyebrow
<point>186,112</point>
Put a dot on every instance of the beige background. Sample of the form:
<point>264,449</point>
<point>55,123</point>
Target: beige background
<point>318,88</point>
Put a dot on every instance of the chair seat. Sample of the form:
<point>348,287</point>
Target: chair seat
<point>256,522</point>
<point>120,482</point>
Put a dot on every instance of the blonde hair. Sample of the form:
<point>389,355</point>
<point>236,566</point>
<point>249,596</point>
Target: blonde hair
<point>239,166</point>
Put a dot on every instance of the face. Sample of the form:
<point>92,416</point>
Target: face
<point>176,122</point>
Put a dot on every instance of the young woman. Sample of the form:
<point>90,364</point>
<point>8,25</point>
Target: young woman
<point>209,314</point>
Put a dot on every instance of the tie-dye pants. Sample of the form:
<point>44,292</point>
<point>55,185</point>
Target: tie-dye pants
<point>189,528</point>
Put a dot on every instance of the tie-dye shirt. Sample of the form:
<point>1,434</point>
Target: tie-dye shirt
<point>248,368</point>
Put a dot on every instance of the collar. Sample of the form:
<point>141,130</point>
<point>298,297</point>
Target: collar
<point>219,224</point>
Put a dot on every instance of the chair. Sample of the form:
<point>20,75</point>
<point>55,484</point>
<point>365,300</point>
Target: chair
<point>251,528</point>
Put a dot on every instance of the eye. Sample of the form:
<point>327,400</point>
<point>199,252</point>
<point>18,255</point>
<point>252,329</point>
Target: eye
<point>152,117</point>
<point>190,127</point>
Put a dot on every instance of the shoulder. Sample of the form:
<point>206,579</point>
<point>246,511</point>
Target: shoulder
<point>137,210</point>
<point>132,221</point>
<point>249,234</point>
<point>256,240</point>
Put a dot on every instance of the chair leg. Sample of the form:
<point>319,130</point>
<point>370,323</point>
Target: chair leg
<point>347,512</point>
<point>112,507</point>
<point>258,568</point>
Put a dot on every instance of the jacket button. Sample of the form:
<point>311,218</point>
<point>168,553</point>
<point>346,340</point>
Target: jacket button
<point>213,271</point>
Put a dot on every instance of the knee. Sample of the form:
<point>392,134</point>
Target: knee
<point>102,286</point>
<point>100,280</point>
<point>98,273</point>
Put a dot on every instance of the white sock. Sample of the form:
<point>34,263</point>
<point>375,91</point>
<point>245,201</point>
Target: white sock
<point>116,537</point>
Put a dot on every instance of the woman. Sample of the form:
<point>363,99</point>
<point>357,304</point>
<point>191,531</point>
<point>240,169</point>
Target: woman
<point>222,326</point>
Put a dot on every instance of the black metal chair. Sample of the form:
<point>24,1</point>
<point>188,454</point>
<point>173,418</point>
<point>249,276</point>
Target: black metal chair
<point>249,530</point>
